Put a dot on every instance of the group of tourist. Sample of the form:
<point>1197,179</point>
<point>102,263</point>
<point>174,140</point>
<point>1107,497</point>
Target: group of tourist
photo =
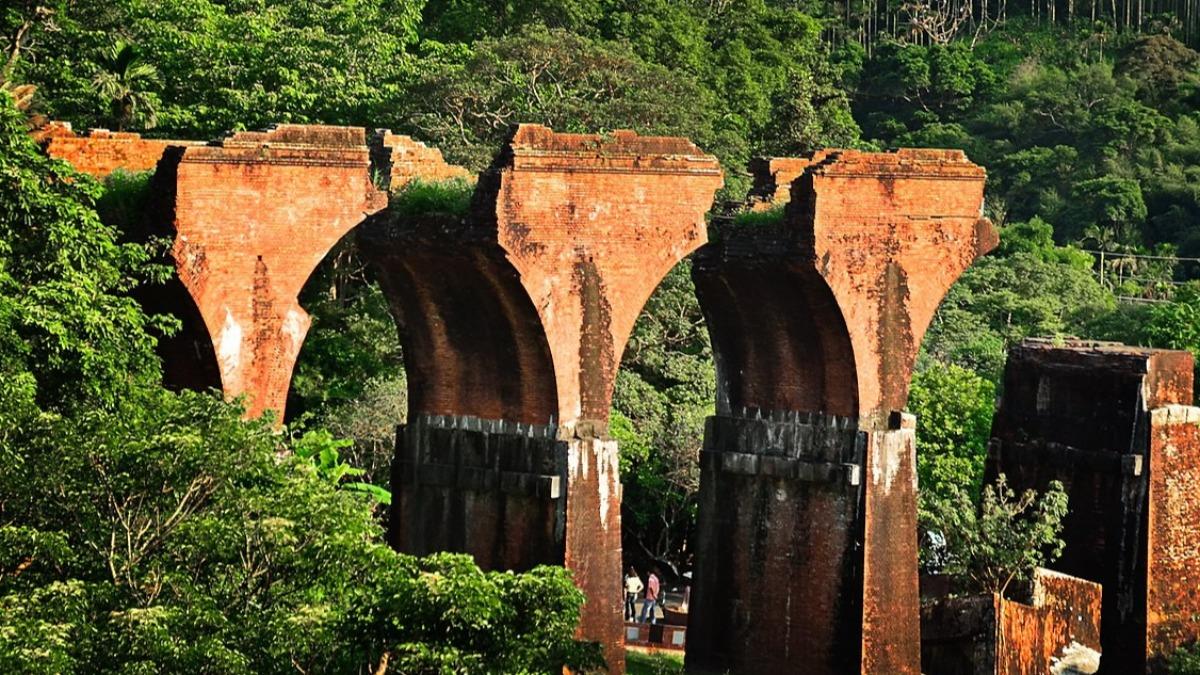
<point>650,600</point>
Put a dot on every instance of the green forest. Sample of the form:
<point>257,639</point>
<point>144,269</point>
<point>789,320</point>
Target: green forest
<point>144,530</point>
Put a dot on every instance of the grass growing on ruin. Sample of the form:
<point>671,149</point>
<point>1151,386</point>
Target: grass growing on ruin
<point>418,197</point>
<point>772,216</point>
<point>123,202</point>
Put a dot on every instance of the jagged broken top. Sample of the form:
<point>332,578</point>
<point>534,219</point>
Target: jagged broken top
<point>534,146</point>
<point>907,162</point>
<point>288,144</point>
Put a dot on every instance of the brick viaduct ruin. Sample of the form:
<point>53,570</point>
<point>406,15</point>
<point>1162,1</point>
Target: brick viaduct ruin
<point>514,317</point>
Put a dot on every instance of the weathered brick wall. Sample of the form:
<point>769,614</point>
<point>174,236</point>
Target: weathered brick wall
<point>519,313</point>
<point>402,159</point>
<point>491,488</point>
<point>1173,532</point>
<point>101,151</point>
<point>1063,617</point>
<point>772,178</point>
<point>773,587</point>
<point>993,635</point>
<point>824,314</point>
<point>891,641</point>
<point>592,224</point>
<point>1103,419</point>
<point>892,232</point>
<point>253,215</point>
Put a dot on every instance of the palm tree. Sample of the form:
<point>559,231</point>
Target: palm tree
<point>122,80</point>
<point>1106,242</point>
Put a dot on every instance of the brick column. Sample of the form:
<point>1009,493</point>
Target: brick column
<point>806,546</point>
<point>1114,424</point>
<point>514,318</point>
<point>252,216</point>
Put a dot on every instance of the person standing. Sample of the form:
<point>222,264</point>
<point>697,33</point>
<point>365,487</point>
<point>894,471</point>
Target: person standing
<point>633,586</point>
<point>651,600</point>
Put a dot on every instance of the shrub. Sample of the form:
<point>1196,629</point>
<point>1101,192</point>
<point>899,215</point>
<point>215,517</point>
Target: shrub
<point>1185,660</point>
<point>418,197</point>
<point>999,542</point>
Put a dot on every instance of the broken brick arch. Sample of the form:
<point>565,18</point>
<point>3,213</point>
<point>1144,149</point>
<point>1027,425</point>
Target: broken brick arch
<point>806,543</point>
<point>513,319</point>
<point>251,217</point>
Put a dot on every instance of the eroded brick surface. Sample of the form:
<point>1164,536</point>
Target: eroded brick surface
<point>780,499</point>
<point>1061,622</point>
<point>401,159</point>
<point>519,313</point>
<point>1105,420</point>
<point>253,215</point>
<point>823,314</point>
<point>592,224</point>
<point>101,151</point>
<point>993,635</point>
<point>1173,540</point>
<point>491,488</point>
<point>773,178</point>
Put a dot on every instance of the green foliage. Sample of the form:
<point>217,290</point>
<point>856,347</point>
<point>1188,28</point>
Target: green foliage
<point>64,319</point>
<point>169,535</point>
<point>1166,70</point>
<point>352,340</point>
<point>370,420</point>
<point>231,65</point>
<point>121,81</point>
<point>1185,661</point>
<point>466,101</point>
<point>419,197</point>
<point>122,205</point>
<point>661,663</point>
<point>1001,300</point>
<point>954,408</point>
<point>765,218</point>
<point>1036,238</point>
<point>664,392</point>
<point>1113,204</point>
<point>906,85</point>
<point>324,451</point>
<point>1002,540</point>
<point>1174,324</point>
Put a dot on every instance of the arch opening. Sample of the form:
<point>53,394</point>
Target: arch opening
<point>478,466</point>
<point>780,340</point>
<point>349,376</point>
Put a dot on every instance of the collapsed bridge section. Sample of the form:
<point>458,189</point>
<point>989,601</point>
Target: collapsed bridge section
<point>1115,425</point>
